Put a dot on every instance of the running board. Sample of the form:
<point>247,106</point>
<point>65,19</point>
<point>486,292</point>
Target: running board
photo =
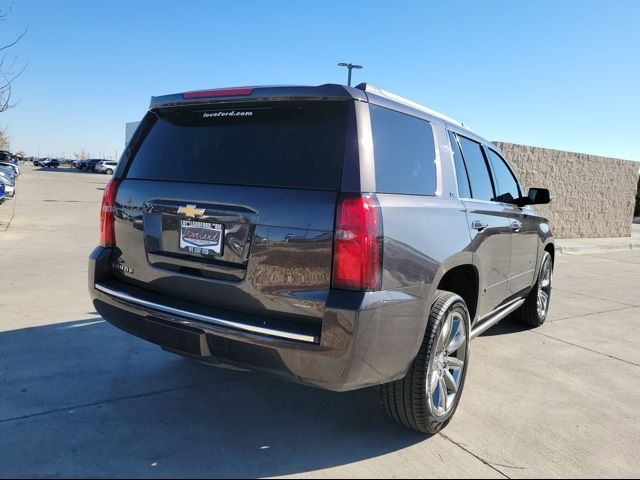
<point>495,317</point>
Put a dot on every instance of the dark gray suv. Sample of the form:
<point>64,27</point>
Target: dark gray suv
<point>338,237</point>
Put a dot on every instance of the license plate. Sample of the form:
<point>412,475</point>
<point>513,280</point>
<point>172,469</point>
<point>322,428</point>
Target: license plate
<point>204,238</point>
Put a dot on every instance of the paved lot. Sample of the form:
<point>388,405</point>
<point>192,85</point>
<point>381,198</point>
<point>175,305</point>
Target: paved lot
<point>79,398</point>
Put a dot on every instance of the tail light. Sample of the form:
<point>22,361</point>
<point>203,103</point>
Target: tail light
<point>107,215</point>
<point>357,245</point>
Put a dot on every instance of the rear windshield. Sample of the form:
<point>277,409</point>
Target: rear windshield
<point>288,144</point>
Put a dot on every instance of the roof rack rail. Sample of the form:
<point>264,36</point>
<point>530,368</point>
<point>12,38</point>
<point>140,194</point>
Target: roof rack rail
<point>369,88</point>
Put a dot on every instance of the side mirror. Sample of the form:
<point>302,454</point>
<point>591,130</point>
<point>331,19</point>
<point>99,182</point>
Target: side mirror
<point>536,196</point>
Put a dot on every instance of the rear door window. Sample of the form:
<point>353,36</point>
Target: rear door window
<point>404,153</point>
<point>286,144</point>
<point>479,177</point>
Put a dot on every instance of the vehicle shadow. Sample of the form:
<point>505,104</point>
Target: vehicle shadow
<point>505,327</point>
<point>82,399</point>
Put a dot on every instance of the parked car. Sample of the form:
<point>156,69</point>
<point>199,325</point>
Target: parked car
<point>106,166</point>
<point>412,236</point>
<point>90,165</point>
<point>2,194</point>
<point>8,173</point>
<point>7,157</point>
<point>12,166</point>
<point>9,186</point>
<point>50,163</point>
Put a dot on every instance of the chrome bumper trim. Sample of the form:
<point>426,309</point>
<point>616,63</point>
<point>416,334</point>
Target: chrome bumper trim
<point>206,319</point>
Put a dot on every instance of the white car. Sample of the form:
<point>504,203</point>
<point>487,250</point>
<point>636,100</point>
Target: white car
<point>107,167</point>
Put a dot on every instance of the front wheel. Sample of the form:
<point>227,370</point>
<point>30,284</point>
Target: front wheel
<point>536,306</point>
<point>427,397</point>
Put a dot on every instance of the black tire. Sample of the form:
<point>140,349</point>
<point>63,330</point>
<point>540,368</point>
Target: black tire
<point>109,171</point>
<point>406,401</point>
<point>528,314</point>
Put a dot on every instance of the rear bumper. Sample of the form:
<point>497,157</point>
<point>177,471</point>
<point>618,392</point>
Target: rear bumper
<point>366,338</point>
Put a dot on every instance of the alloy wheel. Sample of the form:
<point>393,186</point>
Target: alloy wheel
<point>447,364</point>
<point>544,288</point>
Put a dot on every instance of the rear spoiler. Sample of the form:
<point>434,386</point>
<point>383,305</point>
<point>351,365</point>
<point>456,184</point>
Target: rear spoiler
<point>328,91</point>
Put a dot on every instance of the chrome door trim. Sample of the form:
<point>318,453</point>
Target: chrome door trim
<point>496,284</point>
<point>523,273</point>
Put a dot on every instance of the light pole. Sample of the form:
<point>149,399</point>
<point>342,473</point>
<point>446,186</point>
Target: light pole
<point>350,66</point>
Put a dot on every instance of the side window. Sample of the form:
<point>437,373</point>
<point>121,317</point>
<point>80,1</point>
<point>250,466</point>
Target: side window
<point>481,187</point>
<point>506,185</point>
<point>464,191</point>
<point>404,153</point>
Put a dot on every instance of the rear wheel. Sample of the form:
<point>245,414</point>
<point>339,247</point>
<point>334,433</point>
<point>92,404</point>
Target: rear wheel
<point>536,307</point>
<point>109,171</point>
<point>427,398</point>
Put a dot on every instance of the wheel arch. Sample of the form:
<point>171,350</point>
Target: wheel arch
<point>551,248</point>
<point>462,279</point>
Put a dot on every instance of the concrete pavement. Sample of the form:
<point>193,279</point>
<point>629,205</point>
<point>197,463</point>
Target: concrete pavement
<point>80,398</point>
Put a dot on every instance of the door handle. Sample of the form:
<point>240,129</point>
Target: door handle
<point>479,225</point>
<point>516,225</point>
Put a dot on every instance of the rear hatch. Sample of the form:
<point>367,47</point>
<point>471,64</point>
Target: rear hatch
<point>232,205</point>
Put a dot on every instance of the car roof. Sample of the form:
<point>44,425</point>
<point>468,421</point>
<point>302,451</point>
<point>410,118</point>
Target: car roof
<point>373,90</point>
<point>364,92</point>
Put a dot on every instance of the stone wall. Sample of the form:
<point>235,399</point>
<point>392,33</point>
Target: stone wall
<point>591,196</point>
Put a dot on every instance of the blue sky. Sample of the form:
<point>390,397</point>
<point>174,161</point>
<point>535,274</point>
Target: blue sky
<point>557,74</point>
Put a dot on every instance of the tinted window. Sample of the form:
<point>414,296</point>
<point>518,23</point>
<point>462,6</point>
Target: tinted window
<point>298,145</point>
<point>461,171</point>
<point>479,178</point>
<point>506,184</point>
<point>404,153</point>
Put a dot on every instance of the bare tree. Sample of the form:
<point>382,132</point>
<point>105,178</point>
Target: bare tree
<point>81,155</point>
<point>4,140</point>
<point>9,69</point>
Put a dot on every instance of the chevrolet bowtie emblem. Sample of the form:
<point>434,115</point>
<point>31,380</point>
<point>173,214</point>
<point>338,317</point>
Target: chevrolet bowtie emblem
<point>191,211</point>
